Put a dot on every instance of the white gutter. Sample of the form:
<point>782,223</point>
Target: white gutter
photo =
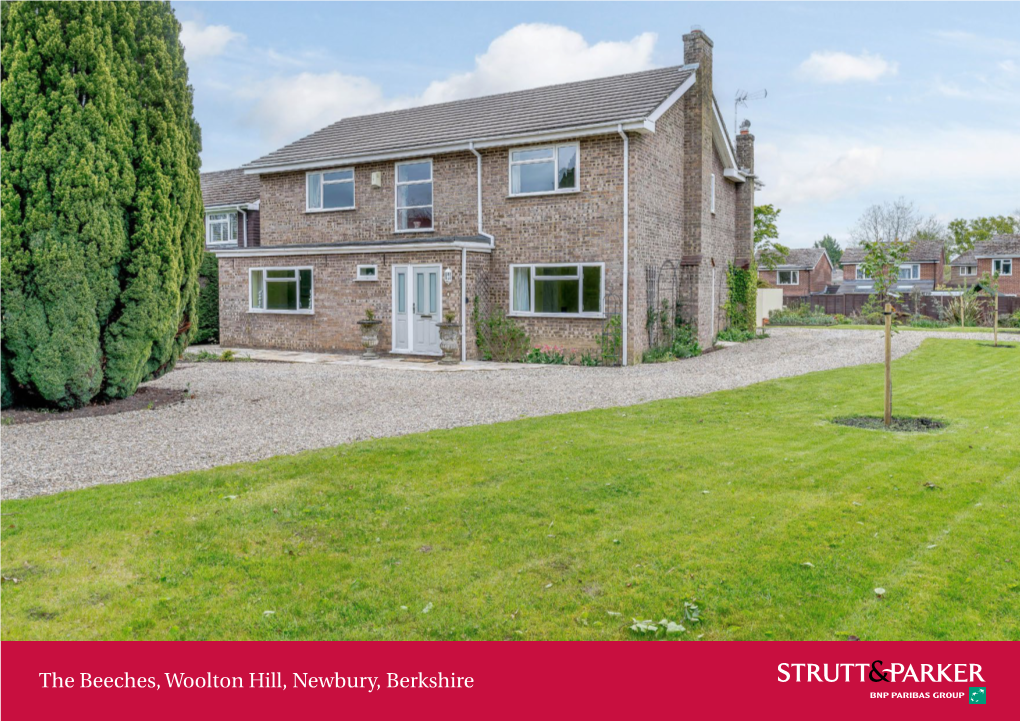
<point>626,232</point>
<point>463,259</point>
<point>260,251</point>
<point>640,125</point>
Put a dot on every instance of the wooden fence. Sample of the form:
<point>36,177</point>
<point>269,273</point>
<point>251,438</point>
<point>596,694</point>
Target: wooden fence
<point>928,305</point>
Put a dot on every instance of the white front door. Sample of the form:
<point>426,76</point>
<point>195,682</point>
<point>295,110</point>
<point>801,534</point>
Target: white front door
<point>417,308</point>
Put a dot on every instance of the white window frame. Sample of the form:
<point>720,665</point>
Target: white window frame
<point>711,195</point>
<point>1001,262</point>
<point>322,189</point>
<point>366,278</point>
<point>915,271</point>
<point>208,228</point>
<point>556,169</point>
<point>601,313</point>
<point>795,277</point>
<point>968,270</point>
<point>859,273</point>
<point>297,268</point>
<point>396,195</point>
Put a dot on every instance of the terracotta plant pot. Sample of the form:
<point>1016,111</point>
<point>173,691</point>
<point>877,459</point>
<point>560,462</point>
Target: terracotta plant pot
<point>449,342</point>
<point>369,337</point>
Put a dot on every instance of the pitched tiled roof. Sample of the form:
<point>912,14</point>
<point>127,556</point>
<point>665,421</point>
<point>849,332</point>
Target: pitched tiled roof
<point>229,187</point>
<point>799,259</point>
<point>589,102</point>
<point>922,251</point>
<point>1007,246</point>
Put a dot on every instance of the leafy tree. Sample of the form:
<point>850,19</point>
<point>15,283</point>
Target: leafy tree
<point>886,233</point>
<point>832,248</point>
<point>768,250</point>
<point>101,206</point>
<point>965,233</point>
<point>208,301</point>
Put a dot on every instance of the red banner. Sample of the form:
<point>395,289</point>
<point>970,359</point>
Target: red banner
<point>510,680</point>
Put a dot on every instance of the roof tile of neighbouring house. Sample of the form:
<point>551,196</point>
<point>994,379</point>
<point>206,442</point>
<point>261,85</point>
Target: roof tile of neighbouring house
<point>1007,246</point>
<point>589,102</point>
<point>799,259</point>
<point>229,187</point>
<point>922,251</point>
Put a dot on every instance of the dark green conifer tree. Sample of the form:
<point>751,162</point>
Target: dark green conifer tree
<point>101,206</point>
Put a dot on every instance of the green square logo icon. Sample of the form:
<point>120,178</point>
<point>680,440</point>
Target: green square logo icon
<point>977,694</point>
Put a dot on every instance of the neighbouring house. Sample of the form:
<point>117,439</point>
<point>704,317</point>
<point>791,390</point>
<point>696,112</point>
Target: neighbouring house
<point>922,270</point>
<point>231,200</point>
<point>1000,254</point>
<point>805,271</point>
<point>551,205</point>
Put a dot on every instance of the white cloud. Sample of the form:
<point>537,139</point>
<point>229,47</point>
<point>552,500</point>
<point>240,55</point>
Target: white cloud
<point>288,107</point>
<point>535,54</point>
<point>979,43</point>
<point>838,67</point>
<point>526,56</point>
<point>206,41</point>
<point>824,182</point>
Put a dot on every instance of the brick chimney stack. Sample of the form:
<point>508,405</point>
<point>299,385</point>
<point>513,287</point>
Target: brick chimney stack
<point>745,193</point>
<point>745,147</point>
<point>698,109</point>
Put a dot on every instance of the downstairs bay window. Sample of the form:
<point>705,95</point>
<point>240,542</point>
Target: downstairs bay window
<point>573,290</point>
<point>280,290</point>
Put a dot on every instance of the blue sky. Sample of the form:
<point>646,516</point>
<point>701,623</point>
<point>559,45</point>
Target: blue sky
<point>866,102</point>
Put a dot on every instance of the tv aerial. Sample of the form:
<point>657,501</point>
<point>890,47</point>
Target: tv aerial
<point>741,101</point>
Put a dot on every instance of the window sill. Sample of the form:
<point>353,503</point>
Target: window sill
<point>366,280</point>
<point>588,316</point>
<point>222,244</point>
<point>281,312</point>
<point>416,230</point>
<point>575,191</point>
<point>329,210</point>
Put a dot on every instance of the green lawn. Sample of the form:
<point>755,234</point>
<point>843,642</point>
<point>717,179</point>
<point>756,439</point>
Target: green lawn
<point>538,528</point>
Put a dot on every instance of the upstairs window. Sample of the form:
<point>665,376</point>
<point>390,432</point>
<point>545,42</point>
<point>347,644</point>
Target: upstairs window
<point>552,169</point>
<point>573,290</point>
<point>221,229</point>
<point>968,270</point>
<point>330,190</point>
<point>861,275</point>
<point>280,290</point>
<point>788,277</point>
<point>1002,266</point>
<point>910,272</point>
<point>414,196</point>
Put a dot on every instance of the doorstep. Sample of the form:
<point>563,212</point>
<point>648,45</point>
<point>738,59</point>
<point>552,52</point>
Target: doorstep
<point>391,362</point>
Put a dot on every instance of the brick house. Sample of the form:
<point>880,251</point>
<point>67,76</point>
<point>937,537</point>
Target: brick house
<point>806,271</point>
<point>551,202</point>
<point>1000,254</point>
<point>923,269</point>
<point>231,200</point>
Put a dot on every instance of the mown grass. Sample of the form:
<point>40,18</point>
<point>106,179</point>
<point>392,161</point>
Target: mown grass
<point>539,528</point>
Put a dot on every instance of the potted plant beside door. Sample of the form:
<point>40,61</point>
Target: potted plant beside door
<point>449,340</point>
<point>369,334</point>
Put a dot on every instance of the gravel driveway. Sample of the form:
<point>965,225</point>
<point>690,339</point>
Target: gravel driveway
<point>251,411</point>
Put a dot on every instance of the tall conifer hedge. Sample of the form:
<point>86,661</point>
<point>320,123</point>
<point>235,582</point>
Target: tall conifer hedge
<point>102,230</point>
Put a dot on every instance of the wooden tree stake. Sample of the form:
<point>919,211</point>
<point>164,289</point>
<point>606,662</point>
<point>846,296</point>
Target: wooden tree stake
<point>888,364</point>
